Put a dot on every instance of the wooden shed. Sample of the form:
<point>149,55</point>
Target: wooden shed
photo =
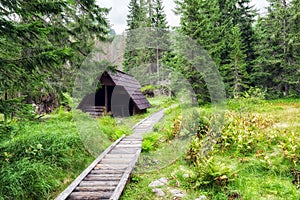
<point>118,93</point>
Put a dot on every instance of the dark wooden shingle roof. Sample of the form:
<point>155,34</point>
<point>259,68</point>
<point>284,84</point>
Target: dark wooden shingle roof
<point>132,87</point>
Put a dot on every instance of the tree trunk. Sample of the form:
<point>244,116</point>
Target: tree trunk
<point>287,89</point>
<point>5,113</point>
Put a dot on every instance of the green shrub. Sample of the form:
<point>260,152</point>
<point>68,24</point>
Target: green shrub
<point>150,141</point>
<point>25,179</point>
<point>109,127</point>
<point>212,172</point>
<point>247,101</point>
<point>39,157</point>
<point>247,133</point>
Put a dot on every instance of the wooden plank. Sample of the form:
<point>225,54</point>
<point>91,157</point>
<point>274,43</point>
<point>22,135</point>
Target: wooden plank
<point>103,178</point>
<point>119,189</point>
<point>75,183</point>
<point>123,151</point>
<point>131,142</point>
<point>100,179</point>
<point>105,175</point>
<point>133,139</point>
<point>116,161</point>
<point>89,195</point>
<point>111,166</point>
<point>105,171</point>
<point>98,183</point>
<point>129,146</point>
<point>95,189</point>
<point>119,156</point>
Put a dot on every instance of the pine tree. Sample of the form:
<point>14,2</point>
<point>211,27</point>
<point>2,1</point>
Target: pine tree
<point>38,38</point>
<point>151,29</point>
<point>294,41</point>
<point>277,64</point>
<point>236,69</point>
<point>160,34</point>
<point>200,21</point>
<point>211,24</point>
<point>133,23</point>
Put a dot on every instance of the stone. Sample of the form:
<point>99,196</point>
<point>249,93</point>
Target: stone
<point>177,193</point>
<point>185,175</point>
<point>203,197</point>
<point>164,180</point>
<point>158,192</point>
<point>158,183</point>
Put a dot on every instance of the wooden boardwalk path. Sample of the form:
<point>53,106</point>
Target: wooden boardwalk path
<point>107,176</point>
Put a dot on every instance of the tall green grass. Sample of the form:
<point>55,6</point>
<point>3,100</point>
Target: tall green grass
<point>255,157</point>
<point>39,159</point>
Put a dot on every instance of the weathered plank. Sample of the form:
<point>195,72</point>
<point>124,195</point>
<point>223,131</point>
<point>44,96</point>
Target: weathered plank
<point>102,178</point>
<point>110,166</point>
<point>106,171</point>
<point>119,156</point>
<point>107,176</point>
<point>123,151</point>
<point>74,184</point>
<point>115,161</point>
<point>119,189</point>
<point>98,183</point>
<point>129,145</point>
<point>89,195</point>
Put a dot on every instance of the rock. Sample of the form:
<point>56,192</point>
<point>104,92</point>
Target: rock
<point>158,183</point>
<point>185,175</point>
<point>203,197</point>
<point>164,180</point>
<point>158,192</point>
<point>177,193</point>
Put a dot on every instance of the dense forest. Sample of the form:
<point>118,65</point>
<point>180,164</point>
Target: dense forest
<point>249,50</point>
<point>252,59</point>
<point>43,43</point>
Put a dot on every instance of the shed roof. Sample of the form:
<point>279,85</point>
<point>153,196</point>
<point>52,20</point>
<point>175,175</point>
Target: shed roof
<point>132,87</point>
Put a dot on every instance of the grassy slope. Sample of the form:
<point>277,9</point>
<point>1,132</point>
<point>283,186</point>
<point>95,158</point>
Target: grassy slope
<point>261,163</point>
<point>39,159</point>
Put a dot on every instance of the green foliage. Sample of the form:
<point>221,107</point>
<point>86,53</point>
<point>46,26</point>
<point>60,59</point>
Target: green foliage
<point>224,29</point>
<point>252,148</point>
<point>148,88</point>
<point>248,100</point>
<point>246,134</point>
<point>37,158</point>
<point>66,99</point>
<point>150,141</point>
<point>234,73</point>
<point>170,126</point>
<point>16,108</point>
<point>147,39</point>
<point>212,172</point>
<point>109,127</point>
<point>277,64</point>
<point>41,50</point>
<point>24,175</point>
<point>260,160</point>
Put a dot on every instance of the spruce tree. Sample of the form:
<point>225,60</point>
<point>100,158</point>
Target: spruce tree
<point>160,34</point>
<point>277,64</point>
<point>39,38</point>
<point>133,23</point>
<point>235,73</point>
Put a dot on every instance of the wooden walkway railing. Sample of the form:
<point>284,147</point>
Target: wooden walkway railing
<point>107,176</point>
